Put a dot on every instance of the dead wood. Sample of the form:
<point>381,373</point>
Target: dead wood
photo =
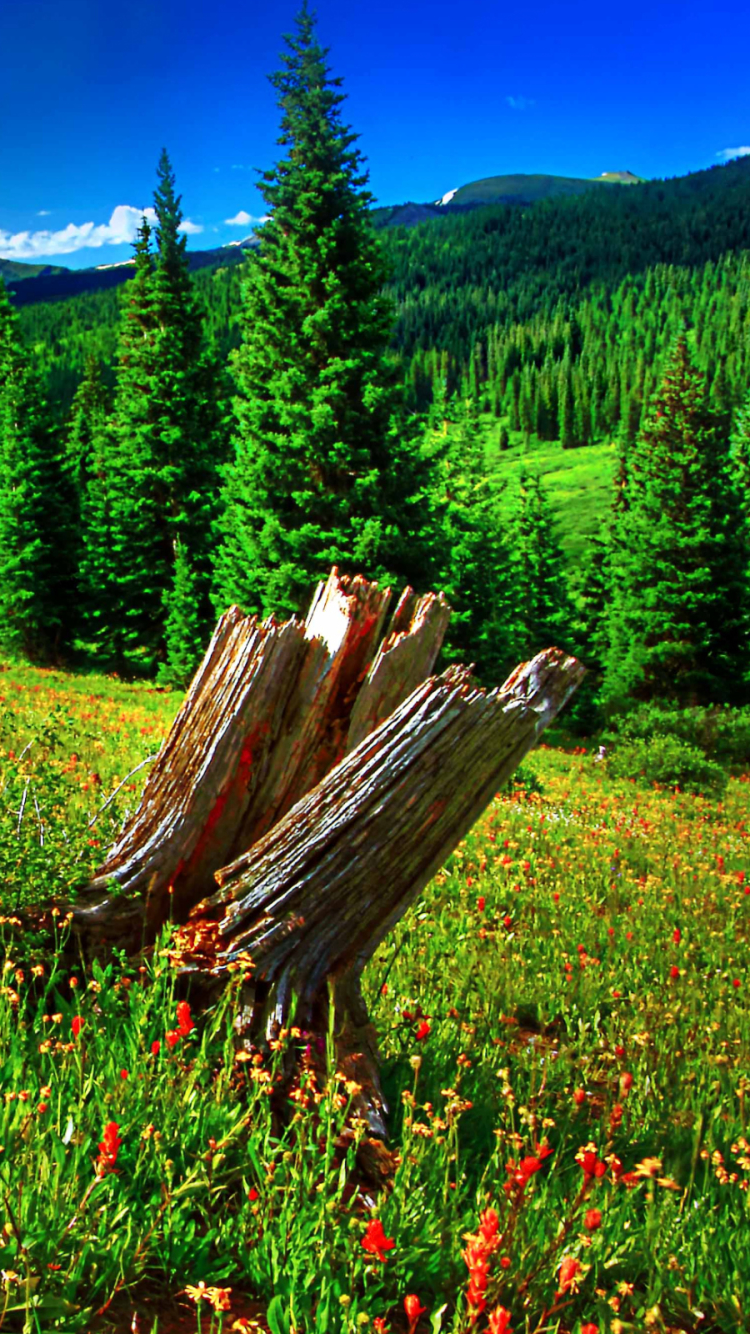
<point>272,708</point>
<point>320,777</point>
<point>310,902</point>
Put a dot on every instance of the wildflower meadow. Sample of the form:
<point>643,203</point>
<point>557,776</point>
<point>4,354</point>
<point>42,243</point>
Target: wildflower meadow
<point>564,1033</point>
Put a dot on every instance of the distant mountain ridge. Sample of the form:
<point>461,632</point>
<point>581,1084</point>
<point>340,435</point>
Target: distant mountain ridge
<point>528,189</point>
<point>57,284</point>
<point>29,283</point>
<point>16,271</point>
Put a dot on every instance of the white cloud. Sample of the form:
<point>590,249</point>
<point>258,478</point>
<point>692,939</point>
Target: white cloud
<point>520,103</point>
<point>727,154</point>
<point>190,228</point>
<point>120,229</point>
<point>241,219</point>
<point>43,213</point>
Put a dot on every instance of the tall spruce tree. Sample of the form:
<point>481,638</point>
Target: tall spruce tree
<point>472,562</point>
<point>89,412</point>
<point>89,415</point>
<point>740,448</point>
<point>162,453</point>
<point>324,471</point>
<point>677,624</point>
<point>37,591</point>
<point>543,613</point>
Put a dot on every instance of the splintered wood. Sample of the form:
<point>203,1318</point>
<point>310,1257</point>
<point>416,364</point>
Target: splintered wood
<point>319,776</point>
<point>322,888</point>
<point>272,709</point>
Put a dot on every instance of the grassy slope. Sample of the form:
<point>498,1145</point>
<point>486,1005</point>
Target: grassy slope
<point>577,482</point>
<point>580,965</point>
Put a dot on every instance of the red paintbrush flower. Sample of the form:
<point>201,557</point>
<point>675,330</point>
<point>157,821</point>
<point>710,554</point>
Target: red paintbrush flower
<point>375,1240</point>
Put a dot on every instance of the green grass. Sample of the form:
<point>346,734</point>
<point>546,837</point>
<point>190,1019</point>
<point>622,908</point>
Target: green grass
<point>578,482</point>
<point>574,980</point>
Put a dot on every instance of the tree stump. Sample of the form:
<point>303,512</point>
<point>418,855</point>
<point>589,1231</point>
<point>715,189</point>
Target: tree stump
<point>311,901</point>
<point>314,780</point>
<point>271,709</point>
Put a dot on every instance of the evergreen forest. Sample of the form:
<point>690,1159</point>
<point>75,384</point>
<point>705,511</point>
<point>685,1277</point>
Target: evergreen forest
<point>543,410</point>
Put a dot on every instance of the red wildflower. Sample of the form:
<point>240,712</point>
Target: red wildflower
<point>626,1082</point>
<point>184,1021</point>
<point>521,1173</point>
<point>674,971</point>
<point>736,982</point>
<point>591,1166</point>
<point>499,1321</point>
<point>569,1270</point>
<point>592,1219</point>
<point>252,1194</point>
<point>579,1097</point>
<point>379,1325</point>
<point>589,1328</point>
<point>423,1031</point>
<point>480,903</point>
<point>414,1310</point>
<point>172,1037</point>
<point>677,935</point>
<point>76,1024</point>
<point>155,1047</point>
<point>123,1074</point>
<point>476,1256</point>
<point>108,1149</point>
<point>375,1240</point>
<point>488,1225</point>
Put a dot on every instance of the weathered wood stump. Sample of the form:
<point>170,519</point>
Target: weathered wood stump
<point>315,778</point>
<point>271,709</point>
<point>312,900</point>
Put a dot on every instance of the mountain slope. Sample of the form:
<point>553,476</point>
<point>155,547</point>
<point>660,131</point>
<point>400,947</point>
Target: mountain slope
<point>523,189</point>
<point>14,271</point>
<point>58,284</point>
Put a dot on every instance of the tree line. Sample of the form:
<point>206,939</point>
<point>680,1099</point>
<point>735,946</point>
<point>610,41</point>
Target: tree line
<point>181,481</point>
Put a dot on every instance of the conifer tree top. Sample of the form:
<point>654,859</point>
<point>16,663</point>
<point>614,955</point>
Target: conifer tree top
<point>167,205</point>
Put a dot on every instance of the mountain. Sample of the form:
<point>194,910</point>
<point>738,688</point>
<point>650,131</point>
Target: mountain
<point>13,271</point>
<point>522,189</point>
<point>44,283</point>
<point>29,283</point>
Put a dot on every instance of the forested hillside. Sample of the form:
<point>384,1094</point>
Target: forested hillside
<point>482,295</point>
<point>457,422</point>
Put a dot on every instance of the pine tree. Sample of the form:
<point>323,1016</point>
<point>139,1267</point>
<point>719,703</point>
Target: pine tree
<point>324,470</point>
<point>166,444</point>
<point>740,449</point>
<point>566,408</point>
<point>184,630</point>
<point>89,411</point>
<point>37,591</point>
<point>471,563</point>
<point>678,619</point>
<point>87,424</point>
<point>543,614</point>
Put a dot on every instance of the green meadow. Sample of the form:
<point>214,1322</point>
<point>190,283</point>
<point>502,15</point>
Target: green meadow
<point>565,1043</point>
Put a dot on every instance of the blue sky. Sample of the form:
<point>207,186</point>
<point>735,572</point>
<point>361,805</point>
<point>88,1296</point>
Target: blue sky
<point>440,93</point>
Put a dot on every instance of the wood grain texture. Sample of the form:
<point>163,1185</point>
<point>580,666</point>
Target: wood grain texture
<point>269,713</point>
<point>325,884</point>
